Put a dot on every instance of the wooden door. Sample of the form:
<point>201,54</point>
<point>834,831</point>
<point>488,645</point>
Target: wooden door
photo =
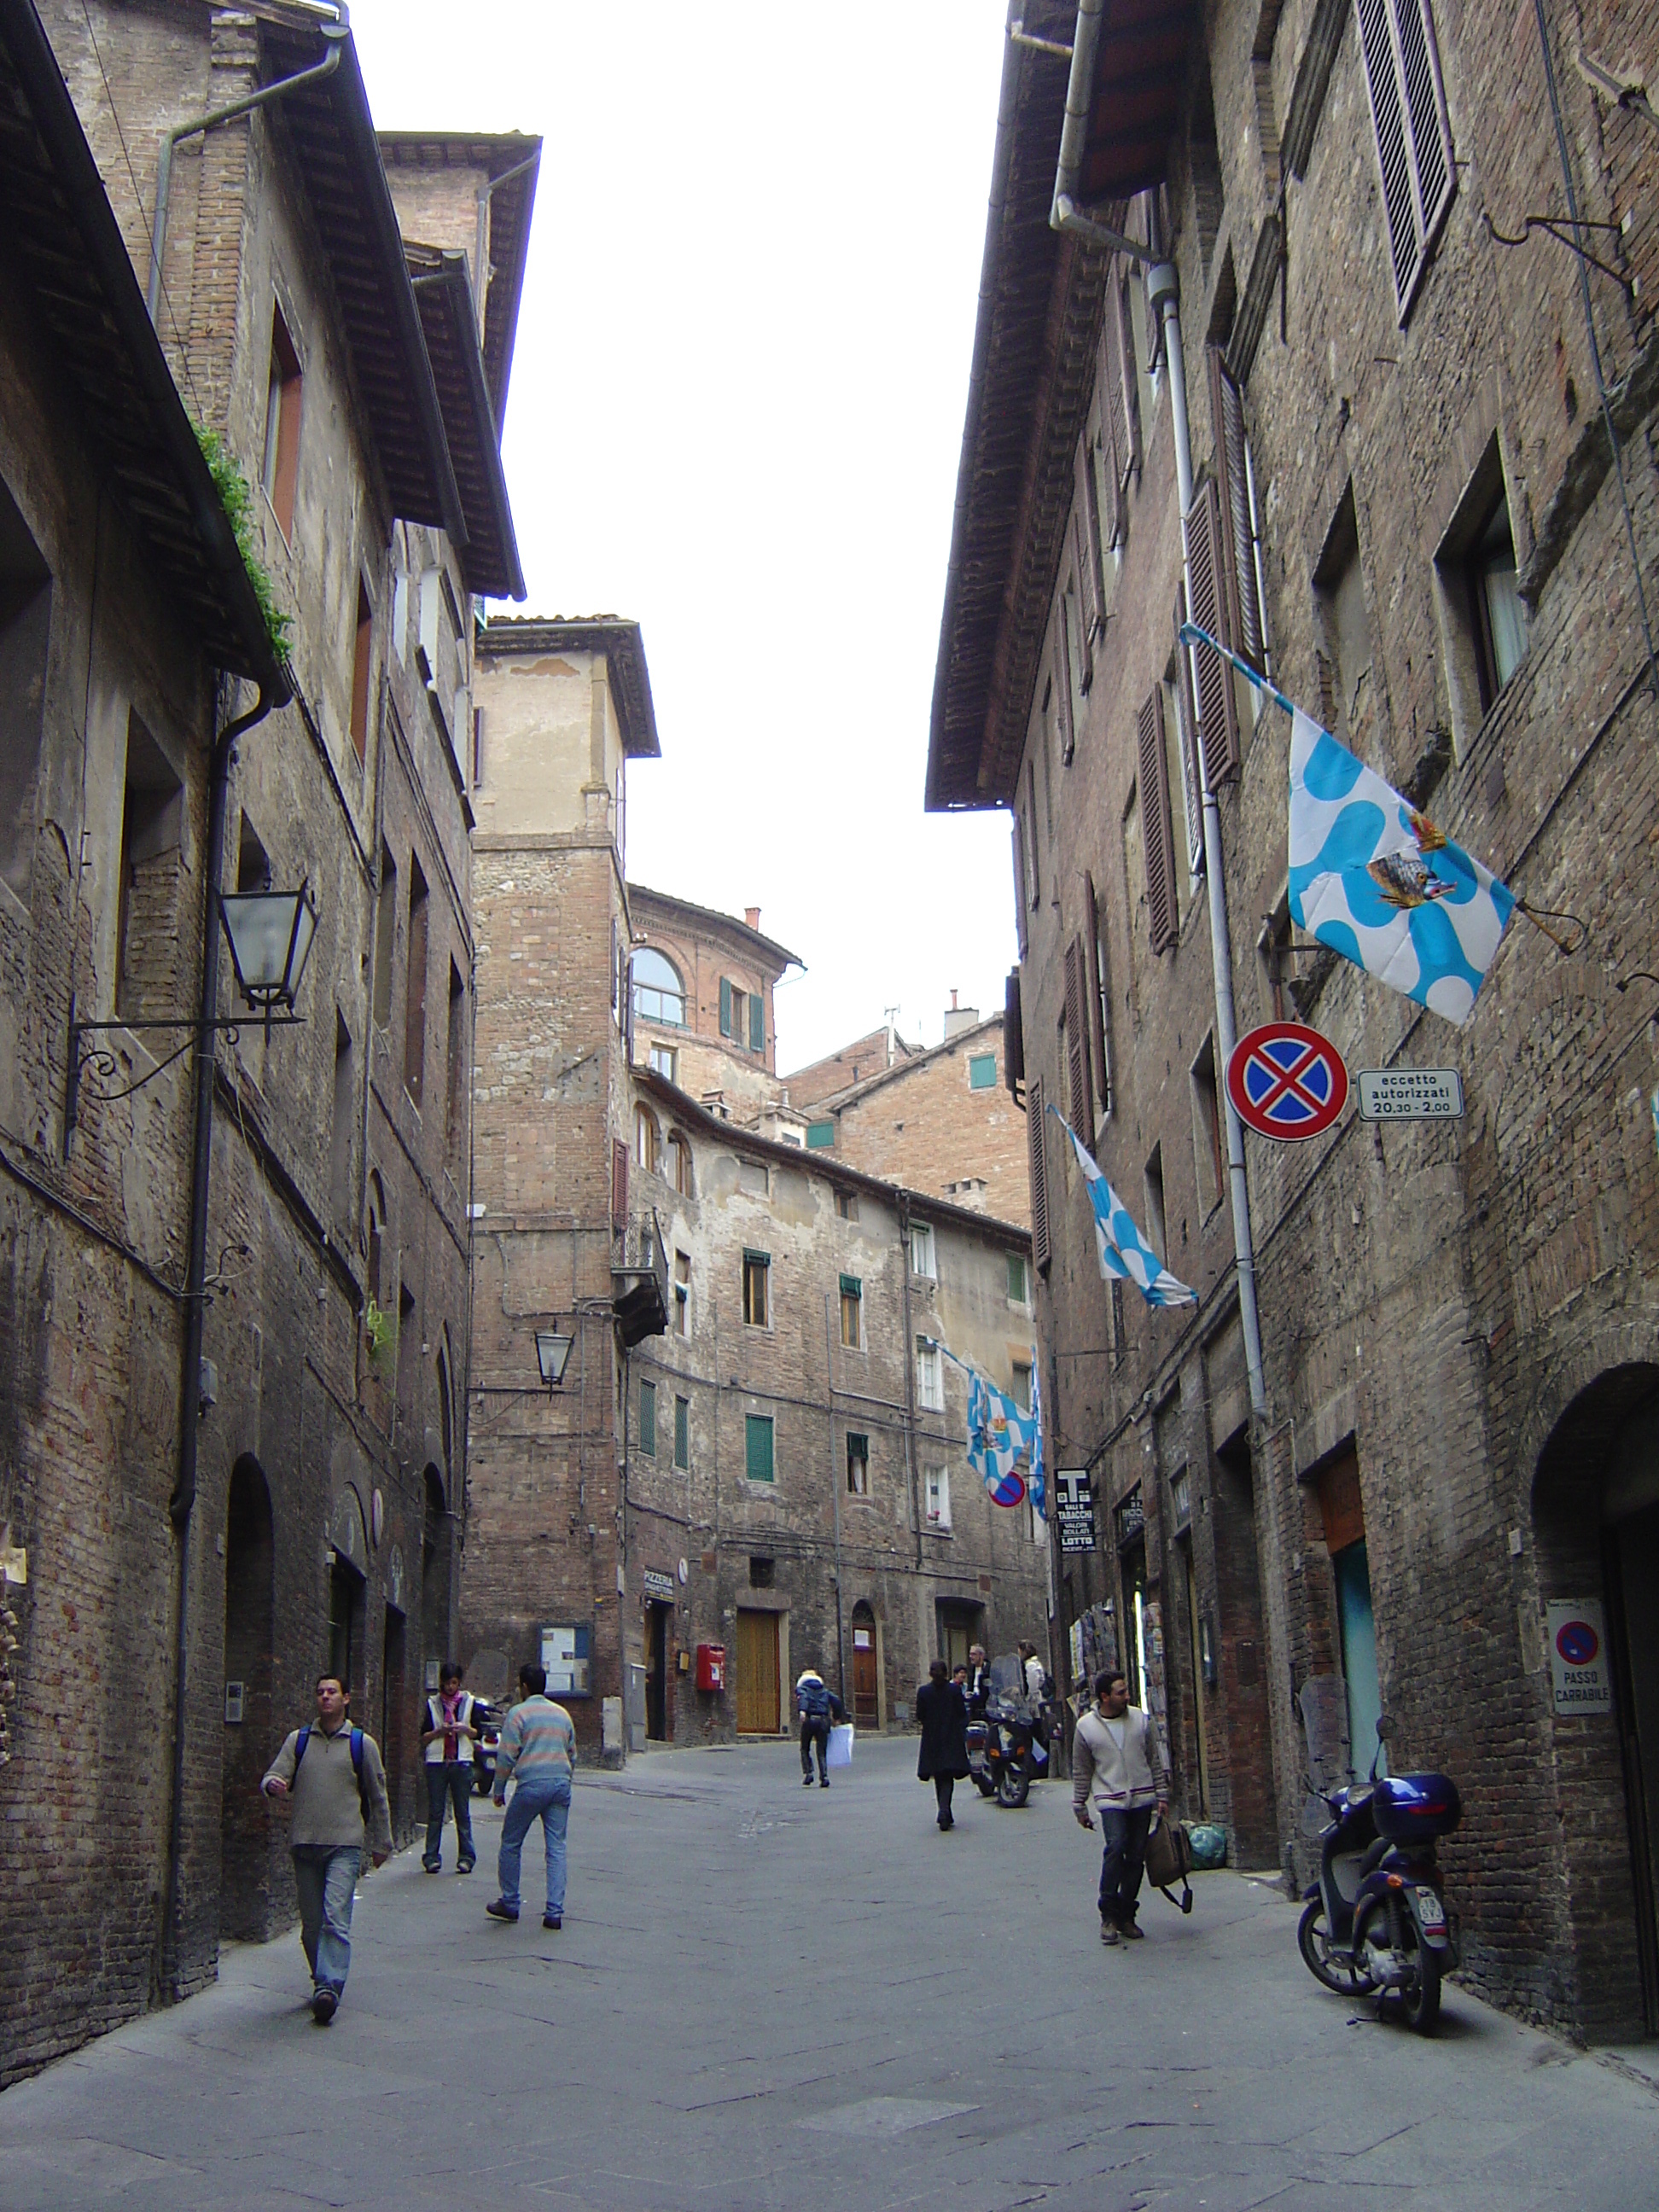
<point>758,1674</point>
<point>866,1703</point>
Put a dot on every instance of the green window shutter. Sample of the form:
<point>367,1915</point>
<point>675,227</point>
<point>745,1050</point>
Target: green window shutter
<point>756,1022</point>
<point>982,1071</point>
<point>851,1287</point>
<point>820,1136</point>
<point>725,1006</point>
<point>757,1456</point>
<point>1017,1287</point>
<point>648,1420</point>
<point>683,1433</point>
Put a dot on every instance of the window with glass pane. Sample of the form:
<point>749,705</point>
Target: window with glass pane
<point>648,1420</point>
<point>659,994</point>
<point>756,1289</point>
<point>1500,616</point>
<point>938,1498</point>
<point>930,1387</point>
<point>1022,1389</point>
<point>663,1057</point>
<point>922,1249</point>
<point>852,1311</point>
<point>758,1464</point>
<point>682,1294</point>
<point>858,1465</point>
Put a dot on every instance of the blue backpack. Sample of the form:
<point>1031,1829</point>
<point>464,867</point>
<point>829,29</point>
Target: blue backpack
<point>356,1761</point>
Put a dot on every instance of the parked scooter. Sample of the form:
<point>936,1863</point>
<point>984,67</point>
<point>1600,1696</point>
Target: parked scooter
<point>1374,1923</point>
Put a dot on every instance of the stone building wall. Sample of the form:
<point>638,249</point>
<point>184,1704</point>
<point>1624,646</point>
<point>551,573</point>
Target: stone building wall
<point>1458,1319</point>
<point>769,1546</point>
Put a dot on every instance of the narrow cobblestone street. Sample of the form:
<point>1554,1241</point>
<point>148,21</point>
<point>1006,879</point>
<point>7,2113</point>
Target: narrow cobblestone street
<point>765,1997</point>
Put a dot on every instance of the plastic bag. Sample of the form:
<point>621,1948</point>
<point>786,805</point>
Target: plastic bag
<point>841,1744</point>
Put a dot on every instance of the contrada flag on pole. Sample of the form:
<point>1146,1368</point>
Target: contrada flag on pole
<point>1371,876</point>
<point>997,1432</point>
<point>1122,1251</point>
<point>1036,1484</point>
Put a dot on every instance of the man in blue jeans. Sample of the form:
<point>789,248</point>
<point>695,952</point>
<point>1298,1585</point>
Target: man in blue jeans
<point>1118,1763</point>
<point>537,1750</point>
<point>331,1775</point>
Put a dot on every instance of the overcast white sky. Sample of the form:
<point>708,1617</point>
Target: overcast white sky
<point>736,411</point>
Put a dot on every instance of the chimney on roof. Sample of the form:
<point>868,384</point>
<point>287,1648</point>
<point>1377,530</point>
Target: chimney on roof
<point>958,1018</point>
<point>751,915</point>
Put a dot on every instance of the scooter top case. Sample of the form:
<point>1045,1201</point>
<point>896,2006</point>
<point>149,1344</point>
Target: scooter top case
<point>1411,1808</point>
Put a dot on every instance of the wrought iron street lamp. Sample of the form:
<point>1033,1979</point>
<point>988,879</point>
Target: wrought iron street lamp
<point>552,1352</point>
<point>269,934</point>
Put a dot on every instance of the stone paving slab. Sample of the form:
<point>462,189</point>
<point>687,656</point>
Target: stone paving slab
<point>764,1997</point>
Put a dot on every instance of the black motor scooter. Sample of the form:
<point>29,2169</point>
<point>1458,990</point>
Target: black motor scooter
<point>1374,1924</point>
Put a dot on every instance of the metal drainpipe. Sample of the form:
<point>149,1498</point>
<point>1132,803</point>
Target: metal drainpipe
<point>1163,295</point>
<point>181,1505</point>
<point>336,34</point>
<point>910,1374</point>
<point>834,1495</point>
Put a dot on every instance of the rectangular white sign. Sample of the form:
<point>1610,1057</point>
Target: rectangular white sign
<point>1074,1511</point>
<point>1410,1094</point>
<point>1579,1668</point>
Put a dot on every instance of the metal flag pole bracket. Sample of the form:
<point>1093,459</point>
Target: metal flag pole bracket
<point>1541,916</point>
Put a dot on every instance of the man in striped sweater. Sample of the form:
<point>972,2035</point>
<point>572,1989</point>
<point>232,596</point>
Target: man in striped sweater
<point>537,1750</point>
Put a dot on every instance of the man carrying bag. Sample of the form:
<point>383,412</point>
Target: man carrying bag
<point>1116,1762</point>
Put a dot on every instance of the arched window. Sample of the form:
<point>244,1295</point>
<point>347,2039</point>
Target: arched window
<point>645,1137</point>
<point>679,1164</point>
<point>659,994</point>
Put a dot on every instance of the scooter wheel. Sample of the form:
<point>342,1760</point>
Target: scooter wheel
<point>1013,1787</point>
<point>1420,2000</point>
<point>984,1784</point>
<point>1329,1968</point>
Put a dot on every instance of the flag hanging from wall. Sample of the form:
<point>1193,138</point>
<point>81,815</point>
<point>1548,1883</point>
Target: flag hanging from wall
<point>997,1432</point>
<point>1374,878</point>
<point>1036,1484</point>
<point>1120,1245</point>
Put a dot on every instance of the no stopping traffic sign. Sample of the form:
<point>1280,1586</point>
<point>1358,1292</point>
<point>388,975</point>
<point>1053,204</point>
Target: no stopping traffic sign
<point>1287,1082</point>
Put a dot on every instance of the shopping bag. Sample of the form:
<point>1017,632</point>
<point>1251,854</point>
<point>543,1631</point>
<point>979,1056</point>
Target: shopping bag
<point>1169,1860</point>
<point>841,1744</point>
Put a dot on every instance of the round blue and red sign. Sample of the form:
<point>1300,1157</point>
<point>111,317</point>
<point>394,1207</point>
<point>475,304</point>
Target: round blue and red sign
<point>1578,1642</point>
<point>1287,1082</point>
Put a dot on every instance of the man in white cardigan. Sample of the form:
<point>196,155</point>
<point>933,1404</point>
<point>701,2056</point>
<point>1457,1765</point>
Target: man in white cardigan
<point>1116,1761</point>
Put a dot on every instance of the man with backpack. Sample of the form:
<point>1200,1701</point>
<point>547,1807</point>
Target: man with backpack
<point>820,1706</point>
<point>1115,1760</point>
<point>331,1775</point>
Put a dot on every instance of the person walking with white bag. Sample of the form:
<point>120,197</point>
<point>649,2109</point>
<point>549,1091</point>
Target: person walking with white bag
<point>820,1708</point>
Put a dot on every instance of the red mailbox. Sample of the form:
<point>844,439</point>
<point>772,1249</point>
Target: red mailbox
<point>711,1666</point>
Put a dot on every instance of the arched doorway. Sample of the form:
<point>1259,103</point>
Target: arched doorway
<point>866,1667</point>
<point>436,1577</point>
<point>249,1586</point>
<point>1596,1521</point>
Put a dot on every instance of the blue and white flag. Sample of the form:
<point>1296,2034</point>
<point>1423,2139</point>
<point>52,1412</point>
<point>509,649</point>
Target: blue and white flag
<point>997,1432</point>
<point>1372,878</point>
<point>1123,1251</point>
<point>1037,1485</point>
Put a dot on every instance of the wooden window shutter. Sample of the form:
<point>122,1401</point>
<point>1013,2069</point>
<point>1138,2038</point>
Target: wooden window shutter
<point>1095,983</point>
<point>1131,371</point>
<point>1116,419</point>
<point>756,1022</point>
<point>1035,1136</point>
<point>1157,840</point>
<point>1240,598</point>
<point>1019,886</point>
<point>1078,1055</point>
<point>618,1183</point>
<point>1192,796</point>
<point>1062,682</point>
<point>1217,716</point>
<point>1086,531</point>
<point>725,1006</point>
<point>1414,136</point>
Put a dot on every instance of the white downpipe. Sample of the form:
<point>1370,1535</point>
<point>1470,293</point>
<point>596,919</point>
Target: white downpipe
<point>1064,214</point>
<point>1163,294</point>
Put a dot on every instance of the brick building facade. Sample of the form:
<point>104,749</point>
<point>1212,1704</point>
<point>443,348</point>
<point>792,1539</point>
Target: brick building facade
<point>194,1555</point>
<point>1401,504</point>
<point>702,1009</point>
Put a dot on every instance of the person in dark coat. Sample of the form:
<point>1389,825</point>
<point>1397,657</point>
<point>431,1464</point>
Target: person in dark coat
<point>942,1715</point>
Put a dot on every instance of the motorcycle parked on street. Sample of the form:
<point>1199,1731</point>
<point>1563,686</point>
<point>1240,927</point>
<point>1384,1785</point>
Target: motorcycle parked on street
<point>1374,1923</point>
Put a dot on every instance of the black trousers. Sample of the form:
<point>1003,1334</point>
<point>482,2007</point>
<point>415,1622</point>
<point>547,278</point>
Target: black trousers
<point>944,1785</point>
<point>815,1732</point>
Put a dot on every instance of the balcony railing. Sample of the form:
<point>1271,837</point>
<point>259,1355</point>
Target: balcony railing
<point>639,1279</point>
